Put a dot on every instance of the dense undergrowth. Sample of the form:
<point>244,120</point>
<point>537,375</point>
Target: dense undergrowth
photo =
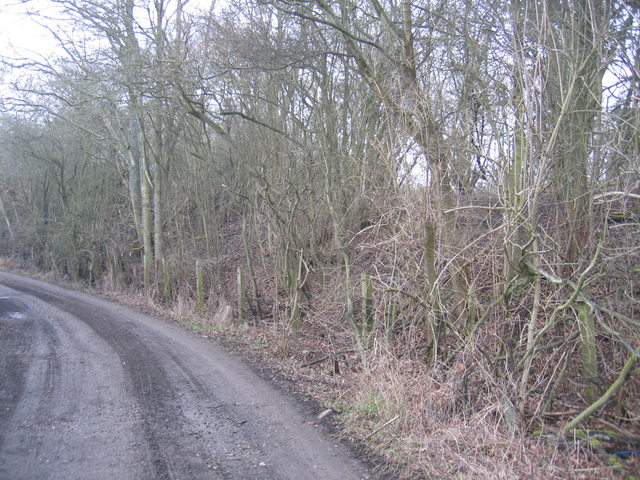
<point>437,400</point>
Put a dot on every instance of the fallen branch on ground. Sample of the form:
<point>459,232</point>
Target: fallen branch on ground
<point>611,391</point>
<point>385,425</point>
<point>326,357</point>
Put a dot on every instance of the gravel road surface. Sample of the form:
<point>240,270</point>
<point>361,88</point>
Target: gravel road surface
<point>93,390</point>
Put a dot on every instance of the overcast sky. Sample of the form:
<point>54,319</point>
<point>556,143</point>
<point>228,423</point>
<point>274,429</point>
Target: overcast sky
<point>20,33</point>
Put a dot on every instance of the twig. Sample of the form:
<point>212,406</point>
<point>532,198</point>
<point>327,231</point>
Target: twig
<point>385,425</point>
<point>621,194</point>
<point>326,357</point>
<point>621,431</point>
<point>560,414</point>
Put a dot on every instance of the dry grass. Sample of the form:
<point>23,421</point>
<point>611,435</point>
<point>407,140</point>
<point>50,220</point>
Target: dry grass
<point>436,437</point>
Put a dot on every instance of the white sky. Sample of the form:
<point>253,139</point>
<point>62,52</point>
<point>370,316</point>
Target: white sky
<point>20,34</point>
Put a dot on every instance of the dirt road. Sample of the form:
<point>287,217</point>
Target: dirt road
<point>93,390</point>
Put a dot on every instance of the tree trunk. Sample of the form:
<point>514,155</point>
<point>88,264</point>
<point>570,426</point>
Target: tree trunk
<point>147,222</point>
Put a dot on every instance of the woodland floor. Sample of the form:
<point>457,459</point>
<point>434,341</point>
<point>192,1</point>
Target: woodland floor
<point>342,386</point>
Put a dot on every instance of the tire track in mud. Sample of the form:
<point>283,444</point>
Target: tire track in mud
<point>165,402</point>
<point>20,334</point>
<point>159,407</point>
<point>13,344</point>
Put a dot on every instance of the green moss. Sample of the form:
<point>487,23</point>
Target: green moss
<point>580,433</point>
<point>615,461</point>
